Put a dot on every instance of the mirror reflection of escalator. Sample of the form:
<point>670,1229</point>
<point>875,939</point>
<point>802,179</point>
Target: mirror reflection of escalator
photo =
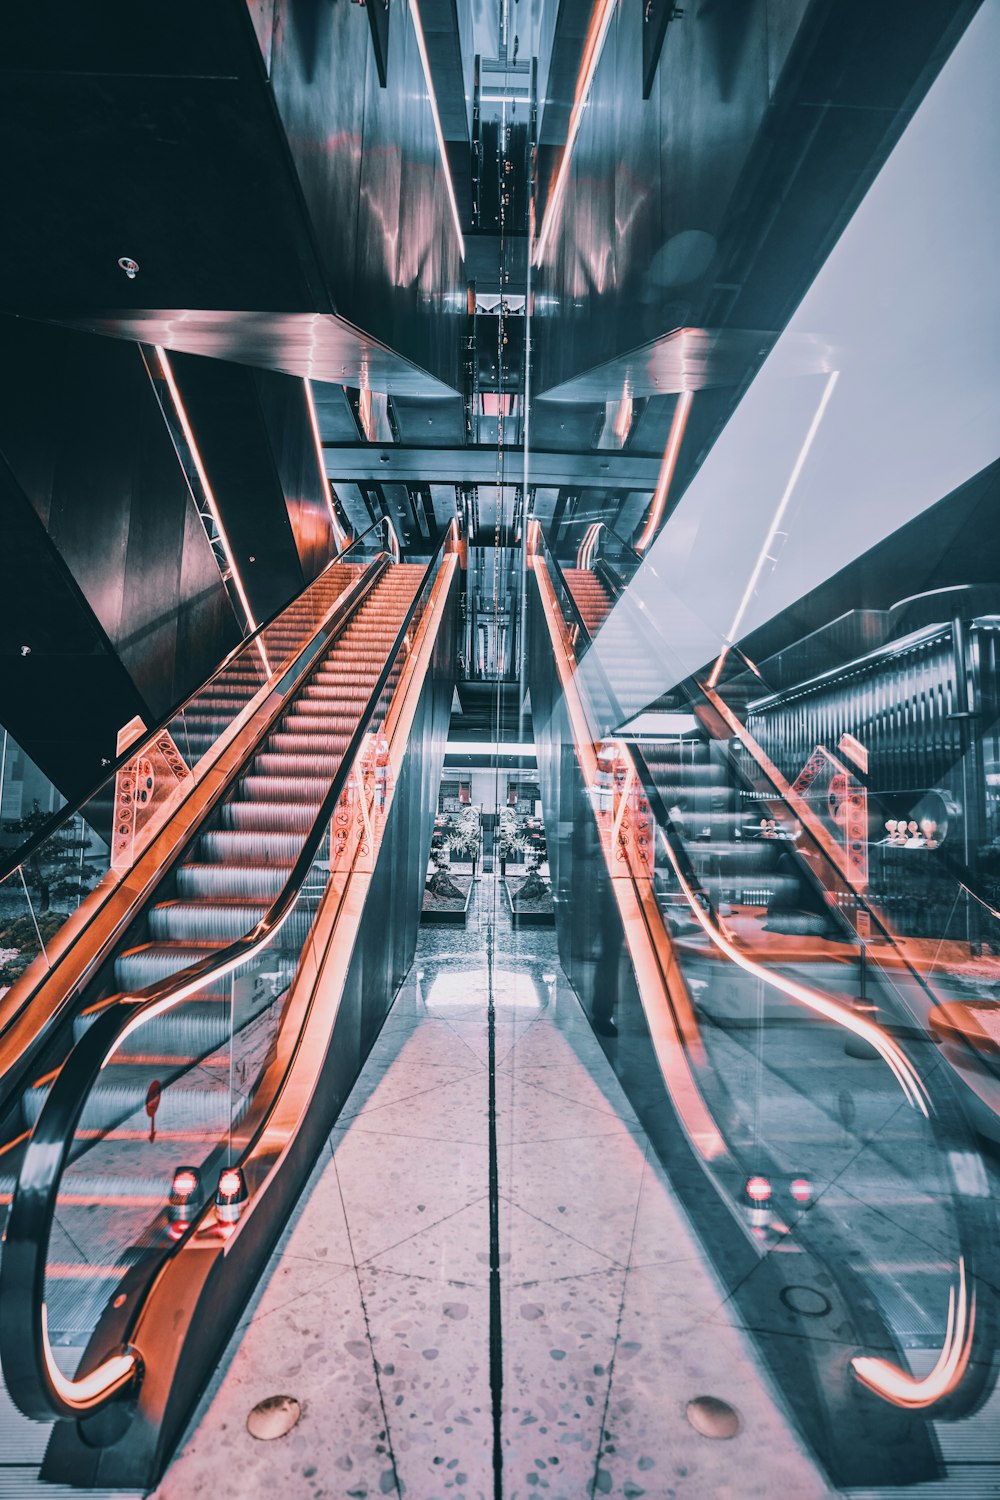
<point>740,859</point>
<point>843,1149</point>
<point>167,1095</point>
<point>635,675</point>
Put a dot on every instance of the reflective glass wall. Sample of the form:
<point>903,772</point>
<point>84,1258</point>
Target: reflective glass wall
<point>767,724</point>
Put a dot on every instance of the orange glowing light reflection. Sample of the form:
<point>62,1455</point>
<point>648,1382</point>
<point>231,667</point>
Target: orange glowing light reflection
<point>623,419</point>
<point>189,438</point>
<point>593,47</point>
<point>339,534</point>
<point>895,1385</point>
<point>432,97</point>
<point>81,1393</point>
<point>365,413</point>
<point>667,468</point>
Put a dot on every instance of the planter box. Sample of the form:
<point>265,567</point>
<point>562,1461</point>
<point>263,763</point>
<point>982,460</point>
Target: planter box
<point>531,918</point>
<point>447,916</point>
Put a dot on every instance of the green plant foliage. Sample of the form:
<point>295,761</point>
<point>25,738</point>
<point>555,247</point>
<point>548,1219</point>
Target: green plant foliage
<point>57,874</point>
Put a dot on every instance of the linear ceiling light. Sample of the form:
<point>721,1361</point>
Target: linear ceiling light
<point>765,551</point>
<point>523,748</point>
<point>425,64</point>
<point>593,47</point>
<point>339,534</point>
<point>189,438</point>
<point>667,468</point>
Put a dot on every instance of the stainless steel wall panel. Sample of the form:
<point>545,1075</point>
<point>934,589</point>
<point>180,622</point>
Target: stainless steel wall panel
<point>82,434</point>
<point>282,400</point>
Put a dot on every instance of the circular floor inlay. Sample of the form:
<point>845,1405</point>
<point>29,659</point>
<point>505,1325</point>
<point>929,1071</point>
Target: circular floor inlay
<point>273,1417</point>
<point>807,1301</point>
<point>713,1418</point>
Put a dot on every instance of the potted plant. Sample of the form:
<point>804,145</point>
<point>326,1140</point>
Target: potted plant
<point>464,838</point>
<point>510,844</point>
<point>535,887</point>
<point>440,883</point>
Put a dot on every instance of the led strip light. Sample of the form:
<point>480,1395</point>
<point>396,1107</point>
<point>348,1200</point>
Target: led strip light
<point>765,551</point>
<point>189,438</point>
<point>339,534</point>
<point>667,468</point>
<point>593,47</point>
<point>425,64</point>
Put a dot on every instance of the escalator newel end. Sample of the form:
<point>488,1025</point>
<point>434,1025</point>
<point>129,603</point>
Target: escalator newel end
<point>185,1196</point>
<point>758,1197</point>
<point>230,1195</point>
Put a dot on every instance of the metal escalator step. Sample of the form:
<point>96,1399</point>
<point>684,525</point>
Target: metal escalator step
<point>193,1029</point>
<point>251,881</point>
<point>266,817</point>
<point>271,763</point>
<point>353,696</point>
<point>150,962</point>
<point>283,740</point>
<point>290,787</point>
<point>333,724</point>
<point>218,922</point>
<point>187,1102</point>
<point>249,846</point>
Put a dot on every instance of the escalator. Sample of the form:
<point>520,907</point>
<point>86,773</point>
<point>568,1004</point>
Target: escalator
<point>223,887</point>
<point>198,728</point>
<point>65,909</point>
<point>168,1120</point>
<point>771,1032</point>
<point>727,833</point>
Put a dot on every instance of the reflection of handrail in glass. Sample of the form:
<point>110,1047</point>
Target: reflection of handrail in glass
<point>587,552</point>
<point>821,842</point>
<point>12,859</point>
<point>941,1388</point>
<point>698,901</point>
<point>37,1385</point>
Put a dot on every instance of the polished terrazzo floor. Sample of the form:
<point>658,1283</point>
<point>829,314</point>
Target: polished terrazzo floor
<point>375,1311</point>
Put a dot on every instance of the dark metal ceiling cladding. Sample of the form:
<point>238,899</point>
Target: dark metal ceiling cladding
<point>371,178</point>
<point>163,143</point>
<point>713,203</point>
<point>224,406</point>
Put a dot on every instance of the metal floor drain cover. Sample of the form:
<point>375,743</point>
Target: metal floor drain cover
<point>807,1301</point>
<point>713,1418</point>
<point>273,1417</point>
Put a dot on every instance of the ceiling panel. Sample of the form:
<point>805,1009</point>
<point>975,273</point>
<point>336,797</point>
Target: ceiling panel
<point>430,420</point>
<point>319,345</point>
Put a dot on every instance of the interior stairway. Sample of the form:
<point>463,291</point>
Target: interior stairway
<point>237,864</point>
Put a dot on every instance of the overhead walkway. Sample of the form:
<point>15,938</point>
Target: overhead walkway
<point>777,1040</point>
<point>177,1047</point>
